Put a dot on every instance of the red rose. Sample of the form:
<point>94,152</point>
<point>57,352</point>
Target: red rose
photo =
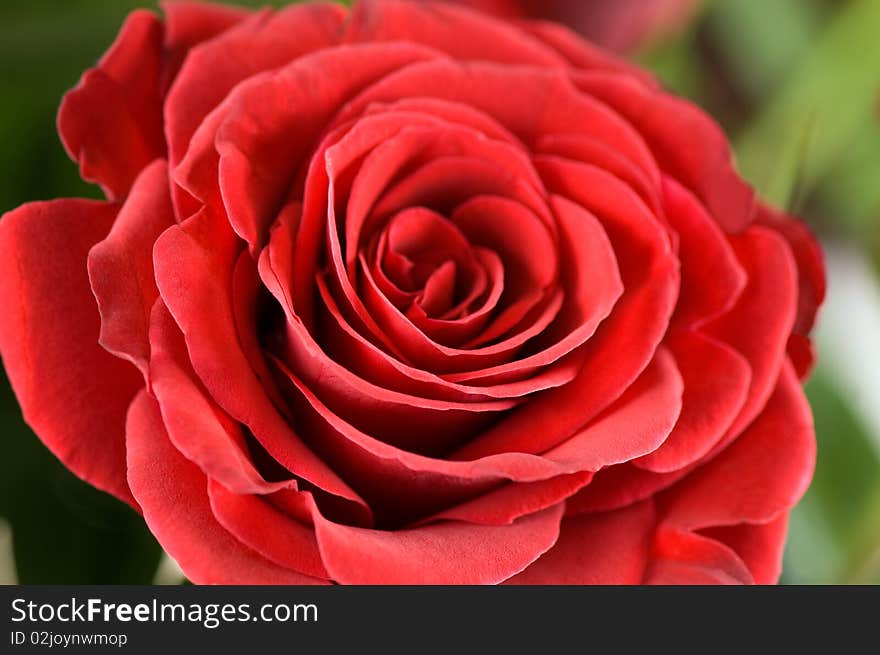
<point>412,295</point>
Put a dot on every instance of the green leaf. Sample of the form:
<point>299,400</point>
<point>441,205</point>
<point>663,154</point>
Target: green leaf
<point>828,537</point>
<point>835,87</point>
<point>763,41</point>
<point>63,530</point>
<point>850,194</point>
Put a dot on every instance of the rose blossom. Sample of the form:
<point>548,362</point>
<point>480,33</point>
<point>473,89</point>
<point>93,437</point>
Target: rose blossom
<point>407,294</point>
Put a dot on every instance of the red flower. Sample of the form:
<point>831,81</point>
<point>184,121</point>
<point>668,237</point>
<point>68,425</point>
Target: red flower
<point>412,295</point>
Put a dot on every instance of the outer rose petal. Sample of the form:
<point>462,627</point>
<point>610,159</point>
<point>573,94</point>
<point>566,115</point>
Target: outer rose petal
<point>759,546</point>
<point>760,323</point>
<point>548,102</point>
<point>687,558</point>
<point>589,550</point>
<point>188,23</point>
<point>274,534</point>
<point>195,425</point>
<point>756,480</point>
<point>73,393</point>
<point>811,283</point>
<point>712,278</point>
<point>250,147</point>
<point>194,264</point>
<point>174,497</point>
<point>262,42</point>
<point>618,486</point>
<point>716,380</point>
<point>760,475</point>
<point>442,553</point>
<point>121,267</point>
<point>111,122</point>
<point>810,265</point>
<point>687,143</point>
<point>464,35</point>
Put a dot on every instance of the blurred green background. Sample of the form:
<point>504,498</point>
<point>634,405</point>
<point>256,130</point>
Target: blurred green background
<point>795,85</point>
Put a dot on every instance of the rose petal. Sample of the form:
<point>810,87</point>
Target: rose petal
<point>121,267</point>
<point>396,478</point>
<point>72,392</point>
<point>547,103</point>
<point>442,553</point>
<point>509,502</point>
<point>264,41</point>
<point>589,150</point>
<point>267,530</point>
<point>462,34</point>
<point>527,248</point>
<point>387,370</point>
<point>188,23</point>
<point>597,549</point>
<point>760,475</point>
<point>811,282</point>
<point>625,341</point>
<point>194,264</point>
<point>687,558</point>
<point>687,143</point>
<point>620,486</point>
<point>733,509</point>
<point>759,325</point>
<point>402,486</point>
<point>390,143</point>
<point>377,410</point>
<point>579,52</point>
<point>111,122</point>
<point>716,381</point>
<point>174,497</point>
<point>592,282</point>
<point>712,278</point>
<point>634,425</point>
<point>197,427</point>
<point>759,546</point>
<point>274,121</point>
